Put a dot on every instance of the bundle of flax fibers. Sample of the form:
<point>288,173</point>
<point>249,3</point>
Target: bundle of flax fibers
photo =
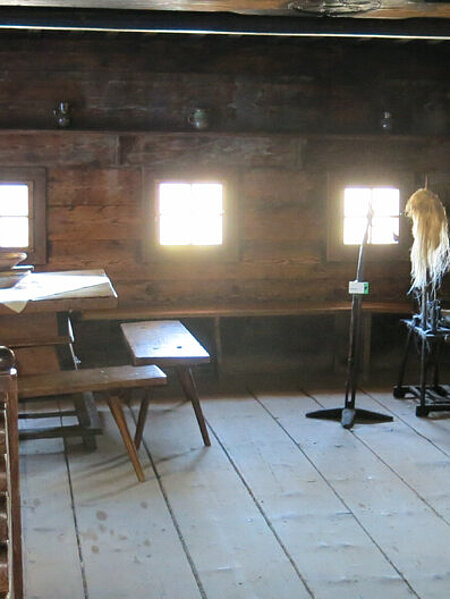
<point>430,253</point>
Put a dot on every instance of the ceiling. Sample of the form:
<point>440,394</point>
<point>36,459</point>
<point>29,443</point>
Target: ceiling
<point>390,9</point>
<point>411,19</point>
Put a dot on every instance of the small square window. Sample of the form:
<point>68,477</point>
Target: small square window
<point>383,205</point>
<point>189,216</point>
<point>15,227</point>
<point>22,212</point>
<point>352,196</point>
<point>190,213</point>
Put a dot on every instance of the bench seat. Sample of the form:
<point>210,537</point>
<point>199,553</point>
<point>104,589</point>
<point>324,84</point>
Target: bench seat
<point>241,309</point>
<point>167,343</point>
<point>112,381</point>
<point>218,312</point>
<point>90,379</point>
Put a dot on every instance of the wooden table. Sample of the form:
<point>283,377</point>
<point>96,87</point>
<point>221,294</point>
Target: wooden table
<point>41,336</point>
<point>95,297</point>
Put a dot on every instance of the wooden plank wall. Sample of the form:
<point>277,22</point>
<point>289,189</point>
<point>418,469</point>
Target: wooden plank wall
<point>279,107</point>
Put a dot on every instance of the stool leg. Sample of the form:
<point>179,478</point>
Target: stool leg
<point>188,384</point>
<point>141,419</point>
<point>115,406</point>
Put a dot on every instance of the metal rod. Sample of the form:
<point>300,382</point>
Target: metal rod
<point>355,323</point>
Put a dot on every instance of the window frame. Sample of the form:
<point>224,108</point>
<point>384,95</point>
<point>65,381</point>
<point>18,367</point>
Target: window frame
<point>36,179</point>
<point>337,181</point>
<point>152,250</point>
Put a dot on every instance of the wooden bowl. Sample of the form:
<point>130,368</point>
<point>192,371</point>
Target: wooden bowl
<point>9,259</point>
<point>9,278</point>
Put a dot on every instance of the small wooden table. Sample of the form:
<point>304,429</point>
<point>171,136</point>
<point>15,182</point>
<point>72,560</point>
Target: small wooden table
<point>97,294</point>
<point>167,343</point>
<point>39,332</point>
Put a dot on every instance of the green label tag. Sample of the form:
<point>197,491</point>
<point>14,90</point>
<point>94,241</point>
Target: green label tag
<point>358,287</point>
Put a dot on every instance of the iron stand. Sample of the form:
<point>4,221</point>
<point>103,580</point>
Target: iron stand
<point>349,414</point>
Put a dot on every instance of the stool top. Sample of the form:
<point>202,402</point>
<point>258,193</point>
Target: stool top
<point>163,342</point>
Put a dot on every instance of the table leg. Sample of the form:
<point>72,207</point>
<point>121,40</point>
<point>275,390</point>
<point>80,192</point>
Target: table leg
<point>87,416</point>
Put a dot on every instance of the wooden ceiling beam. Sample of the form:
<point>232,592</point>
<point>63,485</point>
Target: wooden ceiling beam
<point>390,9</point>
<point>135,21</point>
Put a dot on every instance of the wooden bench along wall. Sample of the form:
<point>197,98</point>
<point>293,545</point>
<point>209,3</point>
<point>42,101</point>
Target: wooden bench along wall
<point>219,312</point>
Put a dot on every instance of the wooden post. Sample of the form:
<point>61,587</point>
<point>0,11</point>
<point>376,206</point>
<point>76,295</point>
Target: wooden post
<point>8,398</point>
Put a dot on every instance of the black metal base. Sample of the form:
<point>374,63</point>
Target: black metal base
<point>348,416</point>
<point>434,398</point>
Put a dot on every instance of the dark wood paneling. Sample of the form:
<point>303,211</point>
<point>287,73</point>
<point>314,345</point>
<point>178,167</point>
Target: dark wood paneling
<point>274,105</point>
<point>164,151</point>
<point>412,153</point>
<point>94,186</point>
<point>54,149</point>
<point>93,222</point>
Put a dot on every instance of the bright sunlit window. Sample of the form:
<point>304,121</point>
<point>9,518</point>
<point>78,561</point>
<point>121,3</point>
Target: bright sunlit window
<point>23,212</point>
<point>14,215</point>
<point>384,204</point>
<point>190,213</point>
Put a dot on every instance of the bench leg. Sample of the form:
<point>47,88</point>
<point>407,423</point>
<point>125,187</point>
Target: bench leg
<point>187,382</point>
<point>142,416</point>
<point>86,411</point>
<point>115,405</point>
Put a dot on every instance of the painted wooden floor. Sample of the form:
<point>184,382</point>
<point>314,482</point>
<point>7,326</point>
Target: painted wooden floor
<point>279,507</point>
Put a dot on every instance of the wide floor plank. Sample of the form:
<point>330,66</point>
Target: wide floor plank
<point>435,427</point>
<point>50,549</point>
<point>129,544</point>
<point>279,507</point>
<point>414,458</point>
<point>411,535</point>
<point>332,551</point>
<point>236,553</point>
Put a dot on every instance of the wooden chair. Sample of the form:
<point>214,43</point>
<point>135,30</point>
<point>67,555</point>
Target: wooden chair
<point>167,343</point>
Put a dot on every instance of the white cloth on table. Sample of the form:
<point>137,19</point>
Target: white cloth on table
<point>35,286</point>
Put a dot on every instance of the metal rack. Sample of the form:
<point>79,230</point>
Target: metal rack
<point>430,332</point>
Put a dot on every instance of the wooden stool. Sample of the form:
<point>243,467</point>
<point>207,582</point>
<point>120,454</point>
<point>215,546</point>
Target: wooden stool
<point>112,381</point>
<point>167,343</point>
